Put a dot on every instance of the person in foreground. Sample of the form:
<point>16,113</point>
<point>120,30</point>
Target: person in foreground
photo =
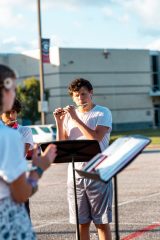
<point>93,122</point>
<point>15,186</point>
<point>9,118</point>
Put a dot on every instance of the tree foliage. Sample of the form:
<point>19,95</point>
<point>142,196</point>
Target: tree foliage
<point>29,95</point>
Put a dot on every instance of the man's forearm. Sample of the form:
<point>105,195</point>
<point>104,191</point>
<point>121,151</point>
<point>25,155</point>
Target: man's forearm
<point>60,133</point>
<point>60,136</point>
<point>87,132</point>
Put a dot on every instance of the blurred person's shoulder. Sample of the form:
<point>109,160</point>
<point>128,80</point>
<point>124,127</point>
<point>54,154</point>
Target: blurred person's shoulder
<point>8,133</point>
<point>24,129</point>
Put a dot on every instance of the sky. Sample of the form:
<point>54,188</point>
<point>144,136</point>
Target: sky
<point>131,24</point>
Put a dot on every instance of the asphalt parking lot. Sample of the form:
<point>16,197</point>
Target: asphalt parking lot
<point>138,198</point>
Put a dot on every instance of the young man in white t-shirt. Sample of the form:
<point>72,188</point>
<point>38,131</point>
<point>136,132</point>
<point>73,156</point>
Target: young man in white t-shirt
<point>87,121</point>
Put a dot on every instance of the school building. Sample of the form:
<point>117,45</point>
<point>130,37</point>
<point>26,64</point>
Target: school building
<point>126,81</point>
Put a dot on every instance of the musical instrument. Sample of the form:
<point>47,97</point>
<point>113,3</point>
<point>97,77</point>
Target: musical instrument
<point>80,105</point>
<point>10,122</point>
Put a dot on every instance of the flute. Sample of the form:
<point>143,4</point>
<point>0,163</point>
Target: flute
<point>80,105</point>
<point>9,122</point>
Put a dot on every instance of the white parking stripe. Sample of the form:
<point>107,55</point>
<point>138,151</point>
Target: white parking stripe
<point>50,223</point>
<point>139,199</point>
<point>66,221</point>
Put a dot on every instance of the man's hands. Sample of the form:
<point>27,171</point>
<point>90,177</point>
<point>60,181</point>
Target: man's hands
<point>72,111</point>
<point>59,113</point>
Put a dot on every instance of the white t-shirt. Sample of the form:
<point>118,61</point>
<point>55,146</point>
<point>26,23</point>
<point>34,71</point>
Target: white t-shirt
<point>26,133</point>
<point>97,116</point>
<point>12,161</point>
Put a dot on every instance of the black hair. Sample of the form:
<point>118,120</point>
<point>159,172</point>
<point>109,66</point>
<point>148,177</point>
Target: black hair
<point>76,84</point>
<point>5,72</point>
<point>17,106</point>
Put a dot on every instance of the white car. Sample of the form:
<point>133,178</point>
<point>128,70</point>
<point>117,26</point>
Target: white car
<point>43,133</point>
<point>53,128</point>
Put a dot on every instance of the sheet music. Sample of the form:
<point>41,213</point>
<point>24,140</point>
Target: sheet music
<point>108,172</point>
<point>116,156</point>
<point>123,151</point>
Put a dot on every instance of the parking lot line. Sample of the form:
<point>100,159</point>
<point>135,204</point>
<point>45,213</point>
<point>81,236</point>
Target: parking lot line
<point>139,199</point>
<point>50,223</point>
<point>141,231</point>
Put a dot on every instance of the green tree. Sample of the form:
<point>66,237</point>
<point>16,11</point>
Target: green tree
<point>29,95</point>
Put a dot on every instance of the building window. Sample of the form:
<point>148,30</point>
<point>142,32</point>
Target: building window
<point>155,73</point>
<point>157,115</point>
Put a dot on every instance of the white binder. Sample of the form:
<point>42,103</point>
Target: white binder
<point>116,157</point>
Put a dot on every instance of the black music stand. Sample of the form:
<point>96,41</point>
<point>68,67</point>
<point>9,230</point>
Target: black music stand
<point>75,151</point>
<point>113,174</point>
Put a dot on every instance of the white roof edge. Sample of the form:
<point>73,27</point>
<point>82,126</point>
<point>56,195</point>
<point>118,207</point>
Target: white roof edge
<point>54,55</point>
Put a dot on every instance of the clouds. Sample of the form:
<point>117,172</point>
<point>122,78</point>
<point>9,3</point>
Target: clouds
<point>65,22</point>
<point>142,15</point>
<point>146,12</point>
<point>8,18</point>
<point>14,44</point>
<point>16,22</point>
<point>78,3</point>
<point>154,45</point>
<point>12,13</point>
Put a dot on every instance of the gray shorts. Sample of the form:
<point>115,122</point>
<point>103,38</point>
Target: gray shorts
<point>94,200</point>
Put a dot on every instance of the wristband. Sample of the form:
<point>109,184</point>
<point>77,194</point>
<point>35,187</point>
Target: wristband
<point>34,185</point>
<point>39,171</point>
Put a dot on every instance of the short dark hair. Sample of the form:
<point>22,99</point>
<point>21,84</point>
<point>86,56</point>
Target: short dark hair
<point>16,106</point>
<point>5,72</point>
<point>76,84</point>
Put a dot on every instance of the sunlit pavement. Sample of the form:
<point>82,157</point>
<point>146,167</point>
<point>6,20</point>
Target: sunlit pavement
<point>138,197</point>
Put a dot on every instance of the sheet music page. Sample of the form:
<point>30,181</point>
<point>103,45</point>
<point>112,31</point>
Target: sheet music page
<point>116,156</point>
<point>116,160</point>
<point>122,151</point>
<point>115,146</point>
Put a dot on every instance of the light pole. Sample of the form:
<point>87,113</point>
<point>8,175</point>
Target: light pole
<point>41,70</point>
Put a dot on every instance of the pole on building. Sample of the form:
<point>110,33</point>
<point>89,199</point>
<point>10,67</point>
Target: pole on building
<point>41,70</point>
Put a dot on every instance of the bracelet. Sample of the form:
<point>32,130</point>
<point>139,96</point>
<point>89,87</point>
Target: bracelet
<point>34,185</point>
<point>39,171</point>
